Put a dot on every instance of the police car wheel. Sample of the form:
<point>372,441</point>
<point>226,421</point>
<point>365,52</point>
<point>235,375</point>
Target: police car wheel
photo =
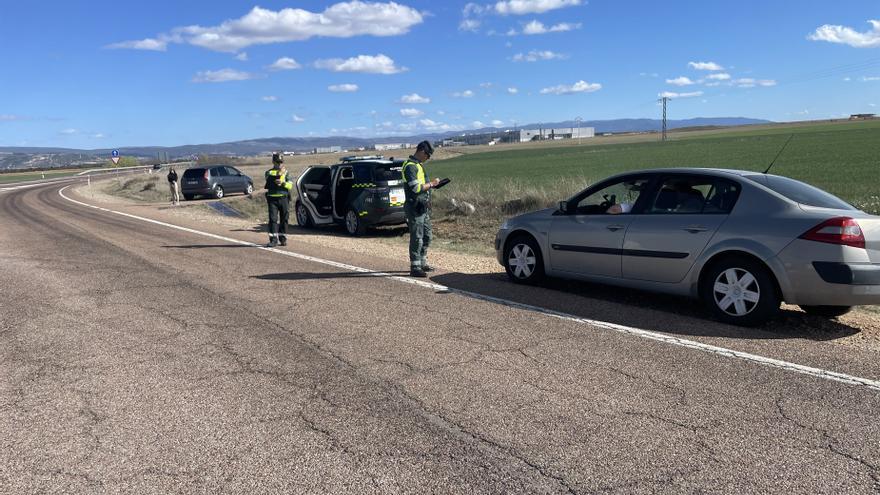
<point>303,217</point>
<point>353,224</point>
<point>522,260</point>
<point>218,192</point>
<point>249,189</point>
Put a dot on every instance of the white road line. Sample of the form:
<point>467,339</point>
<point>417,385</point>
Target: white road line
<point>638,332</point>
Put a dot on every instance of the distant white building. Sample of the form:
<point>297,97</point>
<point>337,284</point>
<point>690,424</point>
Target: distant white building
<point>390,146</point>
<point>526,135</point>
<point>328,149</point>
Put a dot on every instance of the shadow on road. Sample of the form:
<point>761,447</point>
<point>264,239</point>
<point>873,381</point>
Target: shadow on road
<point>320,276</point>
<point>650,311</point>
<point>331,230</point>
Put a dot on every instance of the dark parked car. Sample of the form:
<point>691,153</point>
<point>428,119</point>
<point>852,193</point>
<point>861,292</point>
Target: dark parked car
<point>358,193</point>
<point>215,181</point>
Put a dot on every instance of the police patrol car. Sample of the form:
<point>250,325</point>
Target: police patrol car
<point>359,192</point>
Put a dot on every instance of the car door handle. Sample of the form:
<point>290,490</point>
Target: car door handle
<point>695,229</point>
<point>615,227</point>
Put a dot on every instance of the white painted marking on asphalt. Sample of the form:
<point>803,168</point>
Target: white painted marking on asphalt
<point>638,332</point>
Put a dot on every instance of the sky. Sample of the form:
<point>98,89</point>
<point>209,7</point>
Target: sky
<point>104,74</point>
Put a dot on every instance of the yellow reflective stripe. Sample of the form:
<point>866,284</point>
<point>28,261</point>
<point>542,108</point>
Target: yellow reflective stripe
<point>364,213</point>
<point>288,185</point>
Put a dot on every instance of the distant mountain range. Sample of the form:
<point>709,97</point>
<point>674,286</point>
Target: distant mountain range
<point>22,157</point>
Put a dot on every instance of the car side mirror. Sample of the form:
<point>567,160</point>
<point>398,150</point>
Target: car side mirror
<point>563,206</point>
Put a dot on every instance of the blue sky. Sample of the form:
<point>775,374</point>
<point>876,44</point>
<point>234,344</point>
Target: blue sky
<point>104,74</point>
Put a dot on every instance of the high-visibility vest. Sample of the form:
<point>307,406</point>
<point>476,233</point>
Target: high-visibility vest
<point>416,185</point>
<point>273,189</point>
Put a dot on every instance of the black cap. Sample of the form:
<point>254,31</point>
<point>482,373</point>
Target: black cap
<point>277,158</point>
<point>426,147</point>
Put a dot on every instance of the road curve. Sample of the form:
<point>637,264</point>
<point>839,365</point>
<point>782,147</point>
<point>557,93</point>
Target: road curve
<point>138,357</point>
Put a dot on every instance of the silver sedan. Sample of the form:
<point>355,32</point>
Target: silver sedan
<point>742,242</point>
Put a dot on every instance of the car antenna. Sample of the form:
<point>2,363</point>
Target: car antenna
<point>779,154</point>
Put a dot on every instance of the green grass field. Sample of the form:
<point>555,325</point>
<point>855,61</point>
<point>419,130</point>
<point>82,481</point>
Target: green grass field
<point>842,158</point>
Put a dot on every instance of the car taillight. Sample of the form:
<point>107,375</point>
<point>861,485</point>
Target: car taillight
<point>206,175</point>
<point>842,230</point>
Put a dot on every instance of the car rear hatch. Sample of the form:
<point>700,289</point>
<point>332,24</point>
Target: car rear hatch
<point>195,178</point>
<point>386,184</point>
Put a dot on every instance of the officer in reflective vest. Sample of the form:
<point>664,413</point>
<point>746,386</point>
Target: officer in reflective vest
<point>278,188</point>
<point>418,209</point>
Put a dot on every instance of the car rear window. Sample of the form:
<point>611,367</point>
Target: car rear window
<point>389,172</point>
<point>194,173</point>
<point>800,192</point>
<point>378,172</point>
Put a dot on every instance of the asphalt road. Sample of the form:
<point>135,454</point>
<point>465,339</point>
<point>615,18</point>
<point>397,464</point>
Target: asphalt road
<point>136,357</point>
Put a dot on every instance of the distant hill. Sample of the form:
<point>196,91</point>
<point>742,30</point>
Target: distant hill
<point>27,157</point>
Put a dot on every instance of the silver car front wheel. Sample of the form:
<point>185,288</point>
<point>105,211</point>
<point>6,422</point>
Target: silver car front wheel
<point>736,292</point>
<point>522,260</point>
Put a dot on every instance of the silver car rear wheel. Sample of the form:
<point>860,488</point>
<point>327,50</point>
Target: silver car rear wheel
<point>736,292</point>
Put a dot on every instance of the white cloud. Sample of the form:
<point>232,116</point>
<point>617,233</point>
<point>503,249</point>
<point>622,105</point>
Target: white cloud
<point>263,26</point>
<point>269,98</point>
<point>848,36</point>
<point>522,7</point>
<point>649,74</point>
<point>222,75</point>
<point>98,135</point>
<point>749,82</point>
<point>433,126</point>
<point>9,117</point>
<point>578,87</point>
<point>497,123</point>
<point>512,91</point>
<point>536,55</point>
<point>285,63</point>
<point>680,81</point>
<point>463,94</point>
<point>472,25</point>
<point>411,112</point>
<point>538,27</point>
<point>473,9</point>
<point>486,85</point>
<point>670,94</point>
<point>477,124</point>
<point>870,78</point>
<point>719,76</point>
<point>872,105</point>
<point>151,44</point>
<point>242,57</point>
<point>68,131</point>
<point>414,99</point>
<point>343,88</point>
<point>296,119</point>
<point>705,66</point>
<point>378,64</point>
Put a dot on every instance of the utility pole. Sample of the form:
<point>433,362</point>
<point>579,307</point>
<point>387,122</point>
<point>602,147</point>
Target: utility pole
<point>665,99</point>
<point>578,120</point>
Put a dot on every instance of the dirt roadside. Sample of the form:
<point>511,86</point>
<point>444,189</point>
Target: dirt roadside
<point>392,245</point>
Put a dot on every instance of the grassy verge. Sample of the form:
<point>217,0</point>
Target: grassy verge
<point>148,188</point>
<point>842,158</point>
<point>9,178</point>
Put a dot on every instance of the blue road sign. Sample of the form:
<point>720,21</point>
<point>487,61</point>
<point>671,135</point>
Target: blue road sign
<point>115,154</point>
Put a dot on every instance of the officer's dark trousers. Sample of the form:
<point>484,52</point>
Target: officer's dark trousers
<point>279,214</point>
<point>420,235</point>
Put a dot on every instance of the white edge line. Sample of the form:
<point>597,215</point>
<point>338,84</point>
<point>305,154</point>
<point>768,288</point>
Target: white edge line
<point>638,332</point>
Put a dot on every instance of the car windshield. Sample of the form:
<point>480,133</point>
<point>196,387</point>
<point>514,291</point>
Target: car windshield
<point>800,192</point>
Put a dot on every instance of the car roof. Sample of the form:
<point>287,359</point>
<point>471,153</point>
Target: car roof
<point>720,172</point>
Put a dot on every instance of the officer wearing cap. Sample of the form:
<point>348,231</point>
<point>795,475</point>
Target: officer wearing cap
<point>418,208</point>
<point>278,188</point>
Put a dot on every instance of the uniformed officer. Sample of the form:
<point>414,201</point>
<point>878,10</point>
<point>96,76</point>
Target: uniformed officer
<point>278,188</point>
<point>418,209</point>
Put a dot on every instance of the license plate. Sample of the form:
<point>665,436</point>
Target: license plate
<point>396,196</point>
